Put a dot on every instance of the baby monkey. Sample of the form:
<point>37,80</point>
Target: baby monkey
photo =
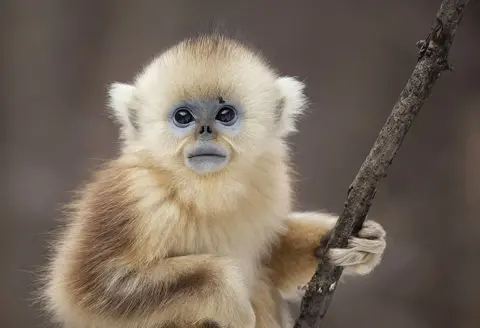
<point>192,223</point>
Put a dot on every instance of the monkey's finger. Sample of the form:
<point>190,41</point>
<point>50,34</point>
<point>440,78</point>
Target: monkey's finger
<point>372,230</point>
<point>346,256</point>
<point>362,269</point>
<point>376,246</point>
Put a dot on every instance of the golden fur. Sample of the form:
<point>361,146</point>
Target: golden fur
<point>150,243</point>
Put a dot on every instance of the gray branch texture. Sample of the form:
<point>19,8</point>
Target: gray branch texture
<point>432,61</point>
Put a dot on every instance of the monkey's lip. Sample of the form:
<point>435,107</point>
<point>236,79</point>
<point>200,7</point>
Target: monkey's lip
<point>206,155</point>
<point>207,152</point>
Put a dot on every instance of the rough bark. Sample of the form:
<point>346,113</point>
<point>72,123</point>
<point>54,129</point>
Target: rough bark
<point>432,60</point>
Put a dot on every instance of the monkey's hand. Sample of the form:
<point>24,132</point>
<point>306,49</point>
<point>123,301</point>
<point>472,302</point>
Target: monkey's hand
<point>205,288</point>
<point>363,252</point>
<point>294,257</point>
<point>213,289</point>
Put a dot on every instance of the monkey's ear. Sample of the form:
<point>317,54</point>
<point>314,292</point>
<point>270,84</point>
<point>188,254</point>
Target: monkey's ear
<point>291,104</point>
<point>122,104</point>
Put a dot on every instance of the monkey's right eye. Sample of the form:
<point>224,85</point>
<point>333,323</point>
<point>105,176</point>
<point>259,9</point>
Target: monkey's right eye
<point>183,117</point>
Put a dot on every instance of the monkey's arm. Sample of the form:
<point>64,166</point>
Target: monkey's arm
<point>183,289</point>
<point>103,272</point>
<point>293,259</point>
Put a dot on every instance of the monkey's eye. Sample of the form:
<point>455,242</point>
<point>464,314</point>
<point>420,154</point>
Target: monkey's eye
<point>226,115</point>
<point>183,117</point>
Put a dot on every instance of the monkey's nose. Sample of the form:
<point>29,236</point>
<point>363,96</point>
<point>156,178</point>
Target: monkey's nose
<point>205,128</point>
<point>205,132</point>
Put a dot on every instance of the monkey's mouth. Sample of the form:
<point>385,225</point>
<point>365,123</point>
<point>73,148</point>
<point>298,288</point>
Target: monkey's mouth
<point>207,152</point>
<point>206,155</point>
<point>204,158</point>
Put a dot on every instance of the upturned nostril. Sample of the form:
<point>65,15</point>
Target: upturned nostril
<point>205,129</point>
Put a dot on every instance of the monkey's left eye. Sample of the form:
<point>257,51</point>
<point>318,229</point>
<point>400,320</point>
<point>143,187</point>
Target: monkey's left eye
<point>183,117</point>
<point>226,115</point>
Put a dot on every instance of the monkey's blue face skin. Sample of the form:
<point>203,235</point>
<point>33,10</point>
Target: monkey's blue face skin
<point>205,120</point>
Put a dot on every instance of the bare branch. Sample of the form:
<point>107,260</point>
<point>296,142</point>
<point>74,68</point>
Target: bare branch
<point>432,60</point>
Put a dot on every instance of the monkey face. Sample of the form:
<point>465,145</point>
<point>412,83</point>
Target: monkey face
<point>207,123</point>
<point>207,105</point>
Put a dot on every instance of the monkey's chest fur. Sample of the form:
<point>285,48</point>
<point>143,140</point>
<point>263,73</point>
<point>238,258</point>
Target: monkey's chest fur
<point>240,221</point>
<point>244,238</point>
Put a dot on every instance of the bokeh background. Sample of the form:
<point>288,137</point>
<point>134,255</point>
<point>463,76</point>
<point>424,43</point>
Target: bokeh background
<point>57,58</point>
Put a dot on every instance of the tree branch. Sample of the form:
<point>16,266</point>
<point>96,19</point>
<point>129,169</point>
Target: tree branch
<point>432,60</point>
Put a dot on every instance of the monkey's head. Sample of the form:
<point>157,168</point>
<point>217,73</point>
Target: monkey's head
<point>205,105</point>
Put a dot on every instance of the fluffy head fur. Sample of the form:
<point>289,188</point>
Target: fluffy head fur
<point>206,68</point>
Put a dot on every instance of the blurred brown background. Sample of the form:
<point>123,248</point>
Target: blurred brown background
<point>58,57</point>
